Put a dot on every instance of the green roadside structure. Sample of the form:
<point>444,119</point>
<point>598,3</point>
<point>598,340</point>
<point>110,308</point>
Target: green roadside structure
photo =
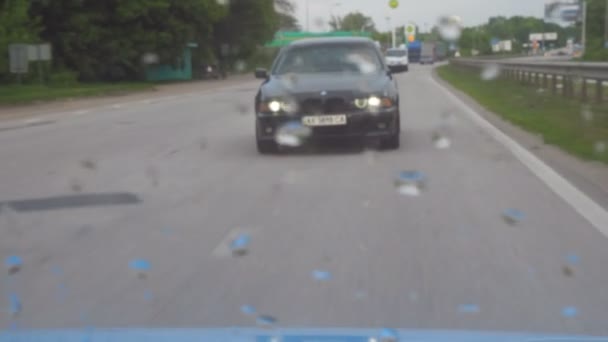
<point>181,71</point>
<point>285,38</point>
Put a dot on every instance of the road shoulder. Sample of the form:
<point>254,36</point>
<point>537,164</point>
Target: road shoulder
<point>27,111</point>
<point>589,177</point>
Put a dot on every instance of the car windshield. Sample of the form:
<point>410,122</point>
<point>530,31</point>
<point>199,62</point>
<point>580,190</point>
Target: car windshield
<point>396,53</point>
<point>329,58</point>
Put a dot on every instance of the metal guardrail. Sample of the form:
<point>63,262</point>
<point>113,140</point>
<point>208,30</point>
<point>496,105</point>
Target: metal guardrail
<point>572,78</point>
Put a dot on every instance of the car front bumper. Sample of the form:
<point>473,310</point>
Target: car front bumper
<point>363,125</point>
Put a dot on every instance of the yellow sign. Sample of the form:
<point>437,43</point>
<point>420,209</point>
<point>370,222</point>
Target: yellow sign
<point>393,3</point>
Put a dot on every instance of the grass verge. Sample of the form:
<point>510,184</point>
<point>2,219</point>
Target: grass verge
<point>23,94</point>
<point>580,129</point>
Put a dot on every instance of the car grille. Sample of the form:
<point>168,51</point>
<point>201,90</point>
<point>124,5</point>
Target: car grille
<point>332,105</point>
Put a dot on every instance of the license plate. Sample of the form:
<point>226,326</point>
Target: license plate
<point>324,120</point>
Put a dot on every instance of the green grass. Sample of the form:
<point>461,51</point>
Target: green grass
<point>23,94</point>
<point>566,123</point>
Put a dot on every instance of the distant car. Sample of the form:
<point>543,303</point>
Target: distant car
<point>397,59</point>
<point>327,88</point>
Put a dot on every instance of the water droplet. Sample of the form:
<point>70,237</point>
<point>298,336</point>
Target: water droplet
<point>289,81</point>
<point>587,114</point>
<point>240,245</point>
<point>443,143</point>
<point>266,321</point>
<point>321,275</point>
<point>141,266</point>
<point>411,190</point>
<point>490,72</point>
<point>319,22</point>
<point>240,66</point>
<point>567,271</point>
<point>13,263</point>
<point>513,216</point>
<point>600,147</point>
<point>569,312</point>
<point>15,304</point>
<point>469,308</point>
<point>150,58</point>
<point>88,164</point>
<point>248,310</point>
<point>388,335</point>
<point>148,296</point>
<point>573,259</point>
<point>292,134</point>
<point>76,185</point>
<point>450,28</point>
<point>242,108</point>
<point>410,183</point>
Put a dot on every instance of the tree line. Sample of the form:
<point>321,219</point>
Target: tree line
<point>105,40</point>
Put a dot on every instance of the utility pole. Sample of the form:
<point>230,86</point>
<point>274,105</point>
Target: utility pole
<point>307,16</point>
<point>584,35</point>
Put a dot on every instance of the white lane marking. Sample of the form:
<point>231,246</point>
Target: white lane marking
<point>584,205</point>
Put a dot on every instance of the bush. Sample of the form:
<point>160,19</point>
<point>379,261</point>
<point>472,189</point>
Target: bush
<point>63,78</point>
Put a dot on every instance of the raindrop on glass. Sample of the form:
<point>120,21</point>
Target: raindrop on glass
<point>141,266</point>
<point>240,66</point>
<point>319,22</point>
<point>587,114</point>
<point>321,275</point>
<point>572,259</point>
<point>410,183</point>
<point>569,312</point>
<point>442,143</point>
<point>88,164</point>
<point>388,335</point>
<point>490,72</point>
<point>15,305</point>
<point>469,309</point>
<point>266,321</point>
<point>248,310</point>
<point>450,28</point>
<point>242,108</point>
<point>13,263</point>
<point>292,134</point>
<point>600,147</point>
<point>150,58</point>
<point>240,245</point>
<point>513,216</point>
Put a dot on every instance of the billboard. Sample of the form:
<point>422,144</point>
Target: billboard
<point>563,11</point>
<point>539,36</point>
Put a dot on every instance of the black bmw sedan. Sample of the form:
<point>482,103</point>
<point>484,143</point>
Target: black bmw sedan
<point>327,88</point>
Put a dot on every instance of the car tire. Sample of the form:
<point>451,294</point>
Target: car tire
<point>267,146</point>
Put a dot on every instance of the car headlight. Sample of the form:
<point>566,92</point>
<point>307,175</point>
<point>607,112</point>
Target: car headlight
<point>373,102</point>
<point>274,106</point>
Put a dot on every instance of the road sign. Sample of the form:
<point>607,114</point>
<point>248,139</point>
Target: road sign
<point>393,4</point>
<point>547,36</point>
<point>18,58</point>
<point>39,52</point>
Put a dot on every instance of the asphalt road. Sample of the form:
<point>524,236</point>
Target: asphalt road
<point>173,180</point>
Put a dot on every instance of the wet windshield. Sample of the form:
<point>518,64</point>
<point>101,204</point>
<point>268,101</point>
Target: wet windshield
<point>329,58</point>
<point>249,167</point>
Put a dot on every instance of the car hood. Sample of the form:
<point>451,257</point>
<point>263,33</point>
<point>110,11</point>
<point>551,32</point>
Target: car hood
<point>291,335</point>
<point>331,82</point>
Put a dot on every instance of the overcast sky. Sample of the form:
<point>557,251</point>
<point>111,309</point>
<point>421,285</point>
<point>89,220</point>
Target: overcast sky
<point>421,12</point>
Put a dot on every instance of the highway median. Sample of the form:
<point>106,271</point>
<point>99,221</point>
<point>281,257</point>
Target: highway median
<point>580,129</point>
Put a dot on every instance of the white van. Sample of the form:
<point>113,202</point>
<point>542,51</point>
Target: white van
<point>397,59</point>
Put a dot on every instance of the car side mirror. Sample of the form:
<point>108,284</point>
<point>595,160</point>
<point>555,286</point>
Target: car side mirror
<point>261,73</point>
